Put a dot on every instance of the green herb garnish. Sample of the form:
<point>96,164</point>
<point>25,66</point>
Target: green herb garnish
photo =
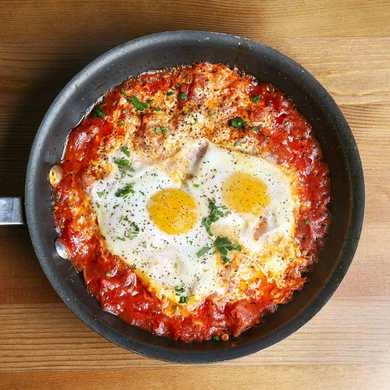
<point>216,339</point>
<point>124,165</point>
<point>125,191</point>
<point>170,93</point>
<point>255,98</point>
<point>160,130</point>
<point>306,221</point>
<point>125,150</point>
<point>223,245</point>
<point>179,290</point>
<point>138,105</point>
<point>100,193</point>
<point>124,218</point>
<point>237,122</point>
<point>157,109</point>
<point>182,96</point>
<point>215,212</point>
<point>202,251</point>
<point>132,231</point>
<point>98,112</point>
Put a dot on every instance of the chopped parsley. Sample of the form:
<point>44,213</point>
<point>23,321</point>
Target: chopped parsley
<point>124,165</point>
<point>180,292</point>
<point>215,212</point>
<point>237,122</point>
<point>202,251</point>
<point>160,130</point>
<point>182,96</point>
<point>306,221</point>
<point>157,109</point>
<point>255,98</point>
<point>124,218</point>
<point>216,339</point>
<point>138,105</point>
<point>256,129</point>
<point>132,231</point>
<point>170,93</point>
<point>125,191</point>
<point>223,245</point>
<point>98,112</point>
<point>100,193</point>
<point>125,150</point>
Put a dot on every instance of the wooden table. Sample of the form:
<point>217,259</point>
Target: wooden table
<point>346,44</point>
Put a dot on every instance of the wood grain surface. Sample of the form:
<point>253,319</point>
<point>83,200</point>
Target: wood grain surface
<point>345,44</point>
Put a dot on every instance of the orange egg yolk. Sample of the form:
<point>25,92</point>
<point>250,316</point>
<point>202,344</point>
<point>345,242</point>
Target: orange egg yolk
<point>172,210</point>
<point>245,193</point>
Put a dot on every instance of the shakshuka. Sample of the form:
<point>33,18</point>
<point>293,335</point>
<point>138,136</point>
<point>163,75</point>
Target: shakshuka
<point>193,200</point>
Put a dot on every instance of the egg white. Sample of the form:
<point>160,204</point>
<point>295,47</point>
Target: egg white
<point>216,166</point>
<point>169,262</point>
<point>270,253</point>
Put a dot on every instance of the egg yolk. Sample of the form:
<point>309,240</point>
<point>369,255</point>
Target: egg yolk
<point>245,193</point>
<point>172,210</point>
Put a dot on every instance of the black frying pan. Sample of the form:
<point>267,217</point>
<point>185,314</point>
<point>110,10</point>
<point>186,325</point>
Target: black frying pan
<point>177,48</point>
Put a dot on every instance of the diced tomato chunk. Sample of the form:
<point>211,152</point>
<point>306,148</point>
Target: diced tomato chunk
<point>243,315</point>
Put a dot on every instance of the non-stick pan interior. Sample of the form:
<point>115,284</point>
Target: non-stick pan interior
<point>177,48</point>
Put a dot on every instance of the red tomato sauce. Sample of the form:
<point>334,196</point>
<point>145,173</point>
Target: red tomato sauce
<point>115,284</point>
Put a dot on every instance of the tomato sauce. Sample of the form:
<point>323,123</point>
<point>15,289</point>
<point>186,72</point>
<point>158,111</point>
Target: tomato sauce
<point>115,284</point>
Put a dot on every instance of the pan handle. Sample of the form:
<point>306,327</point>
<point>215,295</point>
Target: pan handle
<point>11,211</point>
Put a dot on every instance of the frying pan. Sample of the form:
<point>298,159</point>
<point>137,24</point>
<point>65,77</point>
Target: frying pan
<point>168,49</point>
